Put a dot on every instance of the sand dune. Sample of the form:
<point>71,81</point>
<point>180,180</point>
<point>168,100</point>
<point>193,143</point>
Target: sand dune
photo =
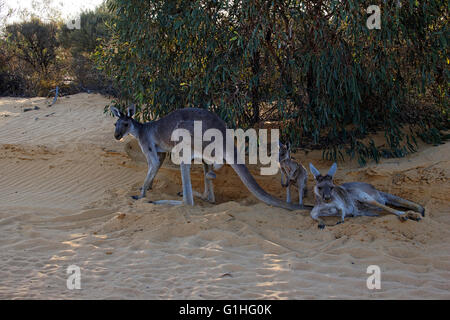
<point>65,187</point>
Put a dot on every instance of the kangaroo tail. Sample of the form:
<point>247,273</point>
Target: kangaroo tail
<point>251,184</point>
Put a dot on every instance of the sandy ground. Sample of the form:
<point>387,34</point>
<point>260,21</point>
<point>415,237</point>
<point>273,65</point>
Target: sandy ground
<point>65,187</point>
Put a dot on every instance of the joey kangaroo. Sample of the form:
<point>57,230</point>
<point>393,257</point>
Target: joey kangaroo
<point>355,199</point>
<point>155,141</point>
<point>292,173</point>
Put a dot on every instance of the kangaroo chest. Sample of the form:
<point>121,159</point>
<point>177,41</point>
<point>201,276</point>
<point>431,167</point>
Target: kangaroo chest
<point>291,171</point>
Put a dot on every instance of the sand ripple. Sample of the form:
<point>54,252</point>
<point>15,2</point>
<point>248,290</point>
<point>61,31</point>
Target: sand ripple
<point>65,187</point>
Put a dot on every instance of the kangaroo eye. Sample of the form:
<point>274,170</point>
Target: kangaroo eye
<point>320,188</point>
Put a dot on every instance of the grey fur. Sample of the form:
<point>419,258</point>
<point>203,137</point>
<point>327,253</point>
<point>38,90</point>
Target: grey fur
<point>292,173</point>
<point>332,170</point>
<point>354,199</point>
<point>313,170</point>
<point>155,137</point>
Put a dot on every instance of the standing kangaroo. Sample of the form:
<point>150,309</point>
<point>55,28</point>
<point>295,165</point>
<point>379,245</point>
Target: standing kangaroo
<point>355,199</point>
<point>155,141</point>
<point>292,173</point>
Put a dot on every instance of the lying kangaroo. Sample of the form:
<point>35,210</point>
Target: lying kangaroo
<point>292,173</point>
<point>155,141</point>
<point>355,199</point>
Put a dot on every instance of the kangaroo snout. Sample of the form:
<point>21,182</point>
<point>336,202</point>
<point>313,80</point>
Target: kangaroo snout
<point>117,136</point>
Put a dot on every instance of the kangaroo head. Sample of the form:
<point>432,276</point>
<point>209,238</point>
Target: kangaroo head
<point>124,121</point>
<point>285,151</point>
<point>324,184</point>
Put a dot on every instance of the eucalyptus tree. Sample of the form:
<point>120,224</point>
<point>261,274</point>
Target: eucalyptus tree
<point>313,66</point>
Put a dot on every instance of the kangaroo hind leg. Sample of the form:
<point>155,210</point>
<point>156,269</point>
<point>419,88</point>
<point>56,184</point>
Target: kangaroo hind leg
<point>301,190</point>
<point>403,216</point>
<point>288,194</point>
<point>209,175</point>
<point>208,193</point>
<point>188,197</point>
<point>402,203</point>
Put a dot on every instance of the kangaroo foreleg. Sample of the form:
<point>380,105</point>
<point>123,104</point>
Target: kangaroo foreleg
<point>315,214</point>
<point>301,191</point>
<point>161,156</point>
<point>342,214</point>
<point>154,161</point>
<point>151,173</point>
<point>321,223</point>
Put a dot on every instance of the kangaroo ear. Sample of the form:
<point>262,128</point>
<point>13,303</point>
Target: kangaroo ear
<point>131,110</point>
<point>116,112</point>
<point>288,146</point>
<point>332,170</point>
<point>313,170</point>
